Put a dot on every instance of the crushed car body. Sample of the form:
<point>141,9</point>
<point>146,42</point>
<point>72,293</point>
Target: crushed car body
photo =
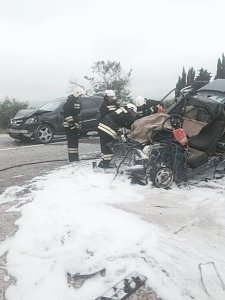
<point>200,120</point>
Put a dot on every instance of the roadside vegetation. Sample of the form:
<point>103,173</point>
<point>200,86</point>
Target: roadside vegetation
<point>8,108</point>
<point>188,78</point>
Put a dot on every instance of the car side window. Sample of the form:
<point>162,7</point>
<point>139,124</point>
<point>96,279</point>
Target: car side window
<point>90,103</point>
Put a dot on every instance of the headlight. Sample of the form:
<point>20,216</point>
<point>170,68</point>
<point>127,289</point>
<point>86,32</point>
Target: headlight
<point>30,121</point>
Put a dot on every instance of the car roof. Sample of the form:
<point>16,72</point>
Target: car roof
<point>216,85</point>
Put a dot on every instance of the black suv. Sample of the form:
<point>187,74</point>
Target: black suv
<point>45,122</point>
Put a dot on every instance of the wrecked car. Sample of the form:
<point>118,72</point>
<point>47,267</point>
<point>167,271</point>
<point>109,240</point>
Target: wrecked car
<point>185,143</point>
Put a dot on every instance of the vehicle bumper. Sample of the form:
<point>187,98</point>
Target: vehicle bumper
<point>25,130</point>
<point>20,131</point>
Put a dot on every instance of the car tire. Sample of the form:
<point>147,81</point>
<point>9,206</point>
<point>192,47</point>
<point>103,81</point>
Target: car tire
<point>163,178</point>
<point>44,134</point>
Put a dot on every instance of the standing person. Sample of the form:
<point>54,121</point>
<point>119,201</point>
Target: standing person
<point>71,124</point>
<point>108,127</point>
<point>109,104</point>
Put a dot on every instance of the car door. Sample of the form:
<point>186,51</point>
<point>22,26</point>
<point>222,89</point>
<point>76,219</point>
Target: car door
<point>89,113</point>
<point>53,115</point>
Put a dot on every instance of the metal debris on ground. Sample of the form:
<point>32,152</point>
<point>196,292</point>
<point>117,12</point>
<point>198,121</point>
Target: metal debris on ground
<point>124,288</point>
<point>77,280</point>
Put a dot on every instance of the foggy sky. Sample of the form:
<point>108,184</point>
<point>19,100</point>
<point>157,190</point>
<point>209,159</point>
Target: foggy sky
<point>45,43</point>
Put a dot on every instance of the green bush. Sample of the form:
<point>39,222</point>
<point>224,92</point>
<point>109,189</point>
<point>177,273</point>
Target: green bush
<point>8,109</point>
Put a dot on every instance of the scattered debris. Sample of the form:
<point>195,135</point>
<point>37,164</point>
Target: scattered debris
<point>125,287</point>
<point>77,280</point>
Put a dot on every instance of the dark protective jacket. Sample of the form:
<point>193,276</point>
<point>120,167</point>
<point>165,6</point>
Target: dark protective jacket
<point>149,108</point>
<point>108,107</point>
<point>115,120</point>
<point>71,110</point>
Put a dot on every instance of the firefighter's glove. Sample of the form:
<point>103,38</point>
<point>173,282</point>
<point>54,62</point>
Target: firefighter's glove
<point>72,125</point>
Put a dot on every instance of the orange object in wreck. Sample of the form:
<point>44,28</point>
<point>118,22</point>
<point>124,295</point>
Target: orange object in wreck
<point>180,136</point>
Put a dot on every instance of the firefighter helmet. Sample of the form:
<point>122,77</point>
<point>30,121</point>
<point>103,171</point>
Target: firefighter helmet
<point>139,101</point>
<point>132,107</point>
<point>110,94</point>
<point>78,91</point>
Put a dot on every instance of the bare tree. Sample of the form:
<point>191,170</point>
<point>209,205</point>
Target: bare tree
<point>109,75</point>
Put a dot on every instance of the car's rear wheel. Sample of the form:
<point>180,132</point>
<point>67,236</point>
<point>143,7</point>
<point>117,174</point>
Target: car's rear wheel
<point>44,134</point>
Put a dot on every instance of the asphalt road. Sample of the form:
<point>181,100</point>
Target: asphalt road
<point>13,154</point>
<point>19,163</point>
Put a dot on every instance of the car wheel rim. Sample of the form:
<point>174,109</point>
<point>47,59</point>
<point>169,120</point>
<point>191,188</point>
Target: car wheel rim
<point>45,134</point>
<point>164,177</point>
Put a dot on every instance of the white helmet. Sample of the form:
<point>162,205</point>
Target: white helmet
<point>139,101</point>
<point>132,107</point>
<point>110,93</point>
<point>78,91</point>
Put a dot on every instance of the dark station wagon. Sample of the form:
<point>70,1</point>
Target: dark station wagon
<point>43,123</point>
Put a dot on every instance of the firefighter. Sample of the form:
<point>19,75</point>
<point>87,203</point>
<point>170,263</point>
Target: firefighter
<point>108,128</point>
<point>71,124</point>
<point>109,104</point>
<point>146,107</point>
<point>153,107</point>
<point>140,103</point>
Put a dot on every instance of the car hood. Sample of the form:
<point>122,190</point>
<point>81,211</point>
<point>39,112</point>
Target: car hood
<point>26,113</point>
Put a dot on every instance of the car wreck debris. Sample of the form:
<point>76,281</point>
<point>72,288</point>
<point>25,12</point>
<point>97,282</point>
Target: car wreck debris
<point>77,280</point>
<point>125,287</point>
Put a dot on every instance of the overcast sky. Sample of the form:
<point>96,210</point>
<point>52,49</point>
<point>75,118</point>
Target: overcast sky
<point>45,43</point>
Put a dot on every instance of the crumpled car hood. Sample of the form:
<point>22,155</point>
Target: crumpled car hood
<point>24,113</point>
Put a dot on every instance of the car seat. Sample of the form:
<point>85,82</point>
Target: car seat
<point>208,137</point>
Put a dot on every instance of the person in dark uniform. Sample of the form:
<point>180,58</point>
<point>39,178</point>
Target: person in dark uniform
<point>153,107</point>
<point>146,107</point>
<point>139,102</point>
<point>109,104</point>
<point>108,128</point>
<point>71,124</point>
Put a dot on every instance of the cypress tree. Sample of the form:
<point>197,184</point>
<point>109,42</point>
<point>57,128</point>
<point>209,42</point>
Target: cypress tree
<point>181,83</point>
<point>223,67</point>
<point>190,76</point>
<point>203,75</point>
<point>219,69</point>
<point>220,72</point>
<point>183,78</point>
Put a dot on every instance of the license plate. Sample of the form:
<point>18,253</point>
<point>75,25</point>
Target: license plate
<point>18,131</point>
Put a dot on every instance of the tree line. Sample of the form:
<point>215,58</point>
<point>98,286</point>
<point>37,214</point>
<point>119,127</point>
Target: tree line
<point>8,108</point>
<point>187,79</point>
<point>109,75</point>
